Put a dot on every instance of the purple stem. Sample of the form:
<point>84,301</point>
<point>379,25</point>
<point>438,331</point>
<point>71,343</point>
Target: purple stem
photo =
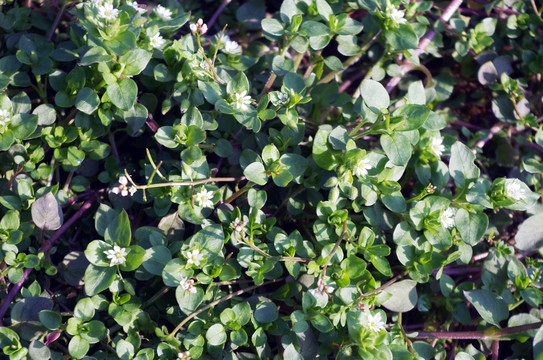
<point>444,18</point>
<point>217,13</point>
<point>46,247</point>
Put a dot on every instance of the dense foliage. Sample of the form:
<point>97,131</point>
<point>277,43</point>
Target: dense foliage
<point>329,179</point>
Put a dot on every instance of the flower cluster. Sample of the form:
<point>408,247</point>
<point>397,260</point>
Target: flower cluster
<point>241,101</point>
<point>123,189</point>
<point>446,219</point>
<point>184,355</point>
<point>198,27</point>
<point>282,98</point>
<point>204,198</point>
<point>5,119</point>
<point>187,284</point>
<point>361,167</point>
<point>322,289</point>
<point>117,255</point>
<point>194,257</point>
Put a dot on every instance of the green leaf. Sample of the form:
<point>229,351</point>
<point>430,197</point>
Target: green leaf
<point>78,347</point>
<point>46,114</point>
<point>95,54</point>
<point>256,172</point>
<point>47,213</point>
<point>155,259</point>
<point>324,10</point>
<point>118,231</point>
<point>402,38</point>
<point>38,351</point>
<point>97,279</point>
<point>374,95</point>
<point>95,253</point>
<point>538,344</point>
<point>87,101</point>
<point>210,240</point>
<point>134,258</point>
<point>104,216</point>
<point>135,61</point>
<point>403,296</point>
<point>397,147</point>
<point>461,165</point>
<point>6,140</point>
<point>472,226</point>
<point>266,312</point>
<point>216,335</point>
<point>272,27</point>
<point>314,28</point>
<point>84,309</point>
<point>123,93</point>
<point>24,125</point>
<point>50,319</point>
<point>323,154</point>
<point>490,306</point>
<point>136,117</point>
<point>414,116</point>
<point>530,233</point>
<point>165,136</point>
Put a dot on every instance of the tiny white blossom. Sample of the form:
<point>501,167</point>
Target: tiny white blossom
<point>232,48</point>
<point>117,255</point>
<point>282,98</point>
<point>375,323</point>
<point>513,189</point>
<point>107,12</point>
<point>163,13</point>
<point>136,7</point>
<point>224,38</point>
<point>323,288</point>
<point>239,226</point>
<point>123,188</point>
<point>436,146</point>
<point>184,355</point>
<point>241,101</point>
<point>446,219</point>
<point>156,41</point>
<point>395,15</point>
<point>194,257</point>
<point>187,284</point>
<point>5,119</point>
<point>362,166</point>
<point>203,198</point>
<point>198,27</point>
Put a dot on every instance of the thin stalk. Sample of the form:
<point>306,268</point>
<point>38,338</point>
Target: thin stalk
<point>218,301</point>
<point>334,249</point>
<point>491,334</point>
<point>55,22</point>
<point>156,168</point>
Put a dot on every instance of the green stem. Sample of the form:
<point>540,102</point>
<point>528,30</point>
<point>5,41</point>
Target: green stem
<point>334,249</point>
<point>218,301</point>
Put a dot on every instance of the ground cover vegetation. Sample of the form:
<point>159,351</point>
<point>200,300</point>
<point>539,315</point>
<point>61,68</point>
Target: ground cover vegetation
<point>294,179</point>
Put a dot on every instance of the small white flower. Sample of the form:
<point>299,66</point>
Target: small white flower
<point>375,323</point>
<point>187,284</point>
<point>136,7</point>
<point>5,119</point>
<point>107,12</point>
<point>163,13</point>
<point>282,98</point>
<point>446,219</point>
<point>362,166</point>
<point>156,41</point>
<point>241,101</point>
<point>436,146</point>
<point>123,188</point>
<point>224,38</point>
<point>232,48</point>
<point>199,27</point>
<point>184,355</point>
<point>203,198</point>
<point>395,15</point>
<point>323,288</point>
<point>117,255</point>
<point>194,257</point>
<point>239,226</point>
<point>513,189</point>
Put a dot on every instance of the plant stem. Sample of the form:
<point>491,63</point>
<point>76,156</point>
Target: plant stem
<point>334,249</point>
<point>217,13</point>
<point>385,285</point>
<point>492,333</point>
<point>46,247</point>
<point>218,301</point>
<point>55,23</point>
